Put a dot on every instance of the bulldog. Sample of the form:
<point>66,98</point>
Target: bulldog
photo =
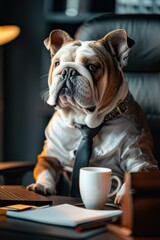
<point>87,86</point>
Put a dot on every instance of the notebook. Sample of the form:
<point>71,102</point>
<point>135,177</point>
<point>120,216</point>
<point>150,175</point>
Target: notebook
<point>16,194</point>
<point>66,215</point>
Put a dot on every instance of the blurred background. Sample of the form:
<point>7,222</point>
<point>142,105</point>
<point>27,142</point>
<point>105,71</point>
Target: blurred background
<point>24,64</point>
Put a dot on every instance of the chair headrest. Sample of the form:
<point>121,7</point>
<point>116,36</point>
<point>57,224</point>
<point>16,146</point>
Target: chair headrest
<point>144,29</point>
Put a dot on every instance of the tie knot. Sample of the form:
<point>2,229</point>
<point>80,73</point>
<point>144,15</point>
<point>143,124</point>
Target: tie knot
<point>88,132</point>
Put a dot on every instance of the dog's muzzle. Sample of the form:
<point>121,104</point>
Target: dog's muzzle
<point>73,88</point>
<point>68,76</point>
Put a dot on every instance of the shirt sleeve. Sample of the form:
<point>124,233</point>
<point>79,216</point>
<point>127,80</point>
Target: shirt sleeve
<point>61,140</point>
<point>137,152</point>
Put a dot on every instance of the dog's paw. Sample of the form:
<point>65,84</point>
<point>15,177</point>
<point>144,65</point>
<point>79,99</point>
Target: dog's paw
<point>120,195</point>
<point>42,189</point>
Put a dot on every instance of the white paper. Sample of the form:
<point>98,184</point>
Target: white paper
<point>64,215</point>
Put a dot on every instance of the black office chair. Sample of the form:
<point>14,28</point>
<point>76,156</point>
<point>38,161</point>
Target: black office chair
<point>143,70</point>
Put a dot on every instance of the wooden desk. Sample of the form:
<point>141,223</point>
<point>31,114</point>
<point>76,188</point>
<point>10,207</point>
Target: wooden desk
<point>11,228</point>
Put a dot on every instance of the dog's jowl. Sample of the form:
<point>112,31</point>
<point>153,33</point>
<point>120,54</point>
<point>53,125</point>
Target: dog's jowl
<point>87,86</point>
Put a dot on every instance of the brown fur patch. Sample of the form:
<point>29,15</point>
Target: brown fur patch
<point>45,162</point>
<point>77,43</point>
<point>114,77</point>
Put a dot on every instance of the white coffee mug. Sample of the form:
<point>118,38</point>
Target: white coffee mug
<point>95,185</point>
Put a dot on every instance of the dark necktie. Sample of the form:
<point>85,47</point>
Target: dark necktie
<point>83,155</point>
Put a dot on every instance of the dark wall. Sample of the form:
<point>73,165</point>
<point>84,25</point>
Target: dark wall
<point>22,72</point>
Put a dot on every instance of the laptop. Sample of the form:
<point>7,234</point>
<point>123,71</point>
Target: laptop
<point>17,194</point>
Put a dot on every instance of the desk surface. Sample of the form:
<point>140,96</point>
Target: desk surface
<point>11,228</point>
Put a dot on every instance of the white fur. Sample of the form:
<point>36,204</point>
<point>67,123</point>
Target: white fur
<point>45,183</point>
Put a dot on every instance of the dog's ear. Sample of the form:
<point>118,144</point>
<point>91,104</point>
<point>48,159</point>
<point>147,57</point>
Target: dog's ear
<point>119,45</point>
<point>56,39</point>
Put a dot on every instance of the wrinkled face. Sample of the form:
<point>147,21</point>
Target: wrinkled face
<point>85,75</point>
<point>78,76</point>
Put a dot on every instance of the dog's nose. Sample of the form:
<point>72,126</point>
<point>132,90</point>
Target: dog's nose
<point>69,73</point>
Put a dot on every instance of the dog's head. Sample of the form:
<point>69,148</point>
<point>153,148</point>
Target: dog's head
<point>85,78</point>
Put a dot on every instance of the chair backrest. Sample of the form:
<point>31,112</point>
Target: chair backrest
<point>143,70</point>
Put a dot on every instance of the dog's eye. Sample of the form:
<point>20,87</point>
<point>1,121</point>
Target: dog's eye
<point>92,67</point>
<point>56,63</point>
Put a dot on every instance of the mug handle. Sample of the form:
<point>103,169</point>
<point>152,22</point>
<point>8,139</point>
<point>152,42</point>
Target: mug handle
<point>119,184</point>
